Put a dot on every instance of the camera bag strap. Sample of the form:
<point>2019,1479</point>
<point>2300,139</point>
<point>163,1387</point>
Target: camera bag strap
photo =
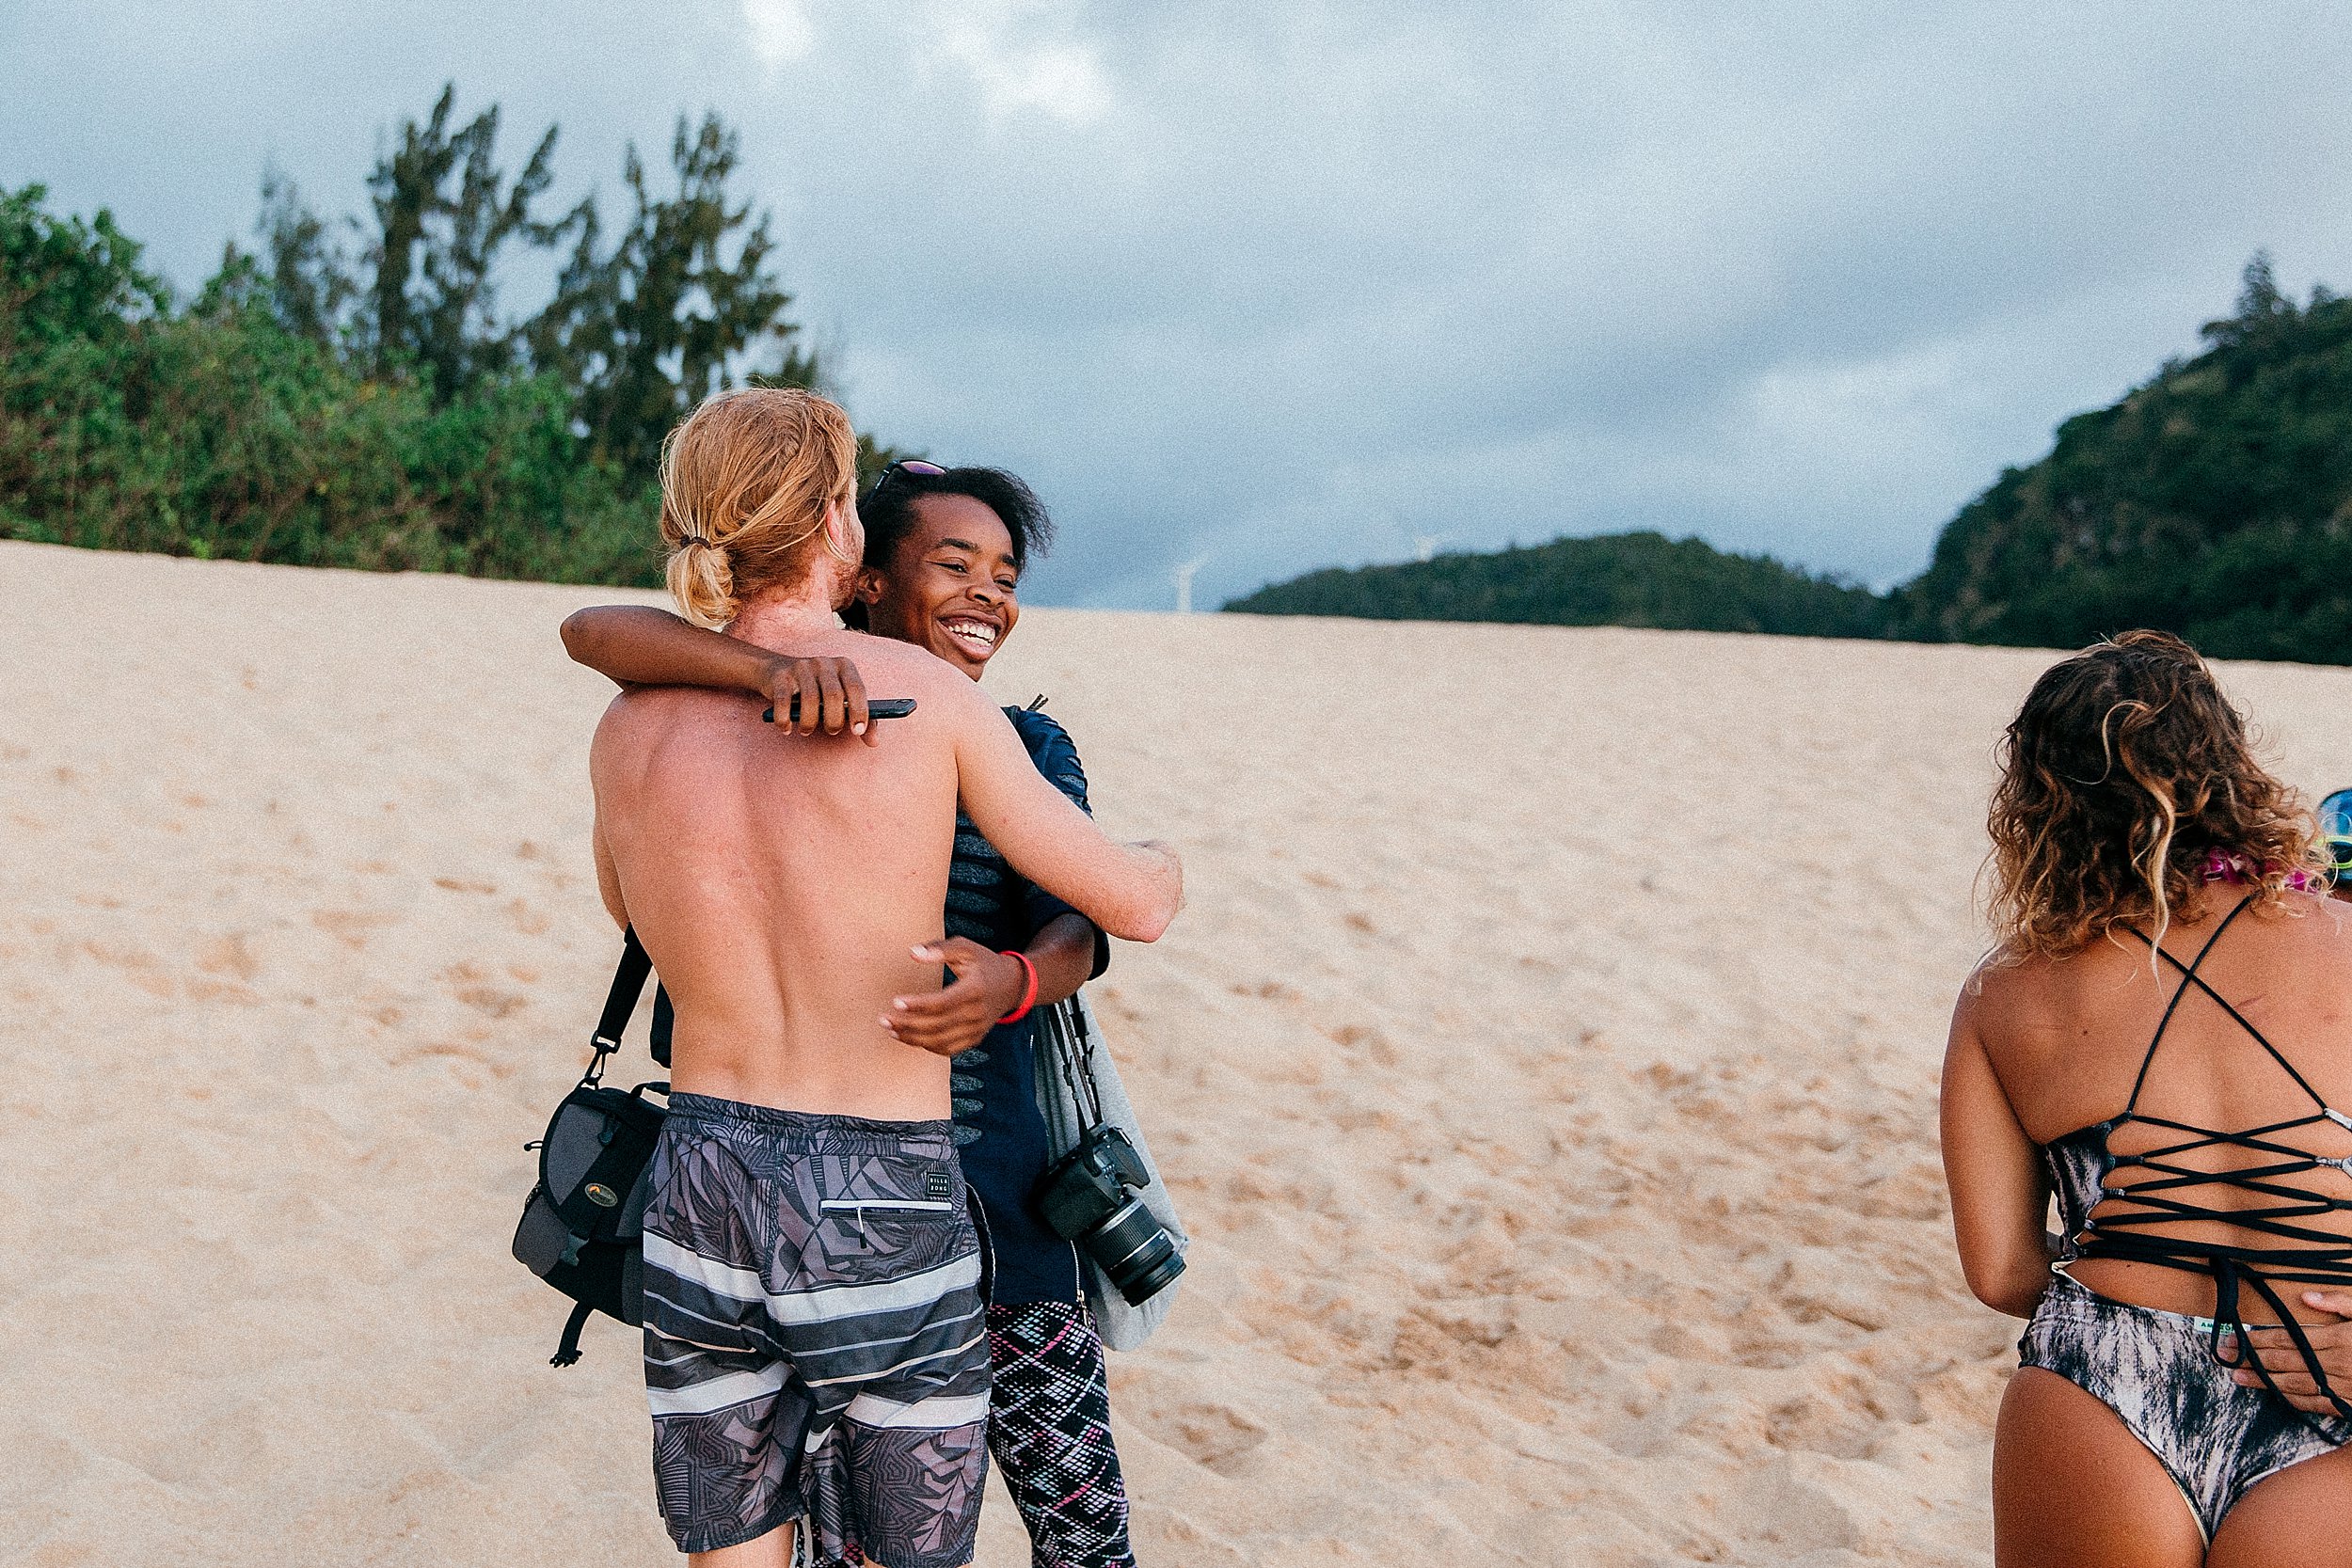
<point>628,984</point>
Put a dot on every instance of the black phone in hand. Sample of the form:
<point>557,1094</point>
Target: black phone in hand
<point>879,707</point>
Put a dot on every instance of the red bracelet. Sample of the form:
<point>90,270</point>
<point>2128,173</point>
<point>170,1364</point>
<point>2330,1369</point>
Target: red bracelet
<point>1028,997</point>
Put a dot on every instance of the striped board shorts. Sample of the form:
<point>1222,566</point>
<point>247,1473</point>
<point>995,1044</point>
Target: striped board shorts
<point>815,1337</point>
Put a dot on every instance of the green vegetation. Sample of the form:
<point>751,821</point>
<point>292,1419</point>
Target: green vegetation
<point>2215,501</point>
<point>1623,579</point>
<point>353,396</point>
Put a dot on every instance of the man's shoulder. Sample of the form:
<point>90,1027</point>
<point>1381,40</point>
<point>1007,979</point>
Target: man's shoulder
<point>941,691</point>
<point>639,705</point>
<point>914,671</point>
<point>645,715</point>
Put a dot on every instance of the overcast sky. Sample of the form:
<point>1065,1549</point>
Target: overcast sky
<point>1278,285</point>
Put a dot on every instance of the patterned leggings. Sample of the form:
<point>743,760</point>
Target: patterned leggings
<point>1050,1430</point>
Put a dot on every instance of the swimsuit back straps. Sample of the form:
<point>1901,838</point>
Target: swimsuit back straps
<point>2135,1231</point>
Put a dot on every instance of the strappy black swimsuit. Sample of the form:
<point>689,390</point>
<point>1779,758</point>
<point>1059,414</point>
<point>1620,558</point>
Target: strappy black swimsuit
<point>2162,1372</point>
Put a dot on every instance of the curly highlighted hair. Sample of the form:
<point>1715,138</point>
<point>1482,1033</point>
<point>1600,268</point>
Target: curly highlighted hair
<point>2124,772</point>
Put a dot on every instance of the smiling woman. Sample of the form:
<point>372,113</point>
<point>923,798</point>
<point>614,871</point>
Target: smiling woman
<point>944,550</point>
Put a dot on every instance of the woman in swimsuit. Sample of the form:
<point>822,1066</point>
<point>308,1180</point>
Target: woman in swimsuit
<point>2162,1039</point>
<point>945,549</point>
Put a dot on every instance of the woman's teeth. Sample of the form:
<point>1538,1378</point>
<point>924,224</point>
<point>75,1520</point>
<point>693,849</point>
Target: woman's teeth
<point>973,631</point>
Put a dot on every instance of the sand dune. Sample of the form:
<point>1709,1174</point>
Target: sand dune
<point>1545,1062</point>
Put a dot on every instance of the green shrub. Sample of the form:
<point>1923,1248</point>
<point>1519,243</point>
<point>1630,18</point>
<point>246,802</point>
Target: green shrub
<point>1626,580</point>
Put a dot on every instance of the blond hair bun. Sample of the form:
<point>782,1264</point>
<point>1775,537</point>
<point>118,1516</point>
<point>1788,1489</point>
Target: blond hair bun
<point>745,481</point>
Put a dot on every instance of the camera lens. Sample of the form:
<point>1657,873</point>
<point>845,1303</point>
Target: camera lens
<point>1135,1250</point>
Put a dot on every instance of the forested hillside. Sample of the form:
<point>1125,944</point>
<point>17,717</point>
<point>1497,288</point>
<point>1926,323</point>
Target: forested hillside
<point>353,393</point>
<point>1626,580</point>
<point>2215,501</point>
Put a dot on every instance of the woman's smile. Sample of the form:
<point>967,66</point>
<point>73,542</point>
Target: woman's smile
<point>976,636</point>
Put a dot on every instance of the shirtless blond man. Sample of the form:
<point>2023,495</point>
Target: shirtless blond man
<point>815,1340</point>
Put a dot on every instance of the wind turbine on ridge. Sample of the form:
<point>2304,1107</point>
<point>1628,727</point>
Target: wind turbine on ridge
<point>1185,574</point>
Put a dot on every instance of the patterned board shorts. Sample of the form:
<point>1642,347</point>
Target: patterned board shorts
<point>816,1340</point>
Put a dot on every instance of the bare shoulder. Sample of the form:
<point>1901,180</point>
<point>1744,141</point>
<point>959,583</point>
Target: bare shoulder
<point>2333,920</point>
<point>2001,983</point>
<point>631,710</point>
<point>2011,1005</point>
<point>640,717</point>
<point>901,669</point>
<point>2309,936</point>
<point>638,708</point>
<point>893,669</point>
<point>1970,1000</point>
<point>2308,919</point>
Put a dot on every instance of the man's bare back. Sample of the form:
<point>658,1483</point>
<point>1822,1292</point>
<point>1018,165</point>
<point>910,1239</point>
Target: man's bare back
<point>781,883</point>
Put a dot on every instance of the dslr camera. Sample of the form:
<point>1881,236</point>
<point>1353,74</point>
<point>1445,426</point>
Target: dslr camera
<point>1088,1196</point>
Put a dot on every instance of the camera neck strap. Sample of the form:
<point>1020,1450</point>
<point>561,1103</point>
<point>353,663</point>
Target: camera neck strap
<point>1067,1032</point>
<point>628,984</point>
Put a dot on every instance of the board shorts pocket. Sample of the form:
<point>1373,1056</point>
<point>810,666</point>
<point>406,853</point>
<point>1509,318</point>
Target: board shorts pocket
<point>909,1209</point>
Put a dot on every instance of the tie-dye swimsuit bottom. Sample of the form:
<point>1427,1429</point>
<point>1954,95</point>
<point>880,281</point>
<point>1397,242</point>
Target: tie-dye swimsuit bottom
<point>2159,1372</point>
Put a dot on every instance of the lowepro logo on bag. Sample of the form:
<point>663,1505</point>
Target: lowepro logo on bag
<point>602,1195</point>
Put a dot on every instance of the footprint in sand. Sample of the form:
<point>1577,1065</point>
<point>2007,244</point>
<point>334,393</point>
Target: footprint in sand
<point>468,983</point>
<point>1375,1045</point>
<point>351,926</point>
<point>496,1003</point>
<point>528,921</point>
<point>232,955</point>
<point>141,967</point>
<point>1216,1436</point>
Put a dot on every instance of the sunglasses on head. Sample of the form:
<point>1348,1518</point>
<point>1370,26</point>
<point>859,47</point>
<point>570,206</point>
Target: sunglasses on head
<point>910,464</point>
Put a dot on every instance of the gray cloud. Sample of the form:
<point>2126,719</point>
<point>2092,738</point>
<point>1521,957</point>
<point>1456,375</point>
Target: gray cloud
<point>1289,285</point>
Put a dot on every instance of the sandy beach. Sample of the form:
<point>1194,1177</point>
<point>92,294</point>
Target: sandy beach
<point>1546,1065</point>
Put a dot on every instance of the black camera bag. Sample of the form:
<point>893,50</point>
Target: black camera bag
<point>582,1228</point>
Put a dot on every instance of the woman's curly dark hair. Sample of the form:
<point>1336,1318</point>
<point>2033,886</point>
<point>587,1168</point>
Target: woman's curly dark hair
<point>2123,773</point>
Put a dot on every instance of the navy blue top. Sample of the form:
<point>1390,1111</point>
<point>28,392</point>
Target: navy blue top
<point>999,1130</point>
